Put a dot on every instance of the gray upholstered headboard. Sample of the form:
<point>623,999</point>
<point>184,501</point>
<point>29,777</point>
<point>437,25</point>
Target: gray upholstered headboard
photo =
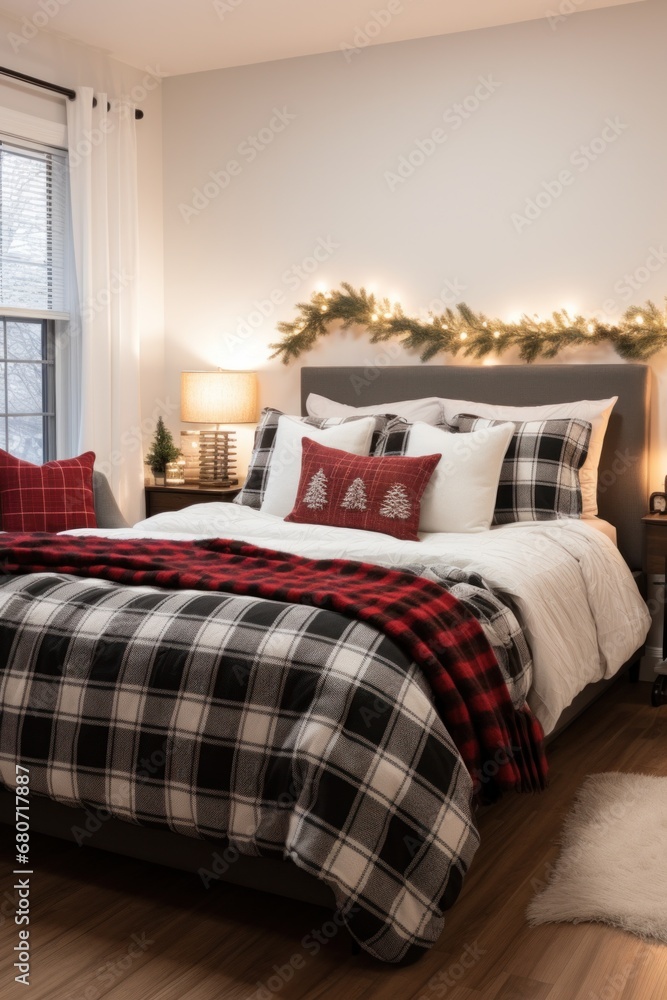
<point>623,490</point>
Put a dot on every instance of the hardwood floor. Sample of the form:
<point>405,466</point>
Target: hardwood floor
<point>104,926</point>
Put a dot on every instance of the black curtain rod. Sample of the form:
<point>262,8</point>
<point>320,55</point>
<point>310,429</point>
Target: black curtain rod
<point>54,88</point>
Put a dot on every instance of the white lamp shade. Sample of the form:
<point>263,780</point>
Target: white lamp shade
<point>219,397</point>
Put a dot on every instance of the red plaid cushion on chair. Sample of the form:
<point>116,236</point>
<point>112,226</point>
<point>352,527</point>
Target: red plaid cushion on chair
<point>57,496</point>
<point>351,491</point>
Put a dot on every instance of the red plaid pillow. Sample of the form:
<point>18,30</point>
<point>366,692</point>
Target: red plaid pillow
<point>350,491</point>
<point>57,496</point>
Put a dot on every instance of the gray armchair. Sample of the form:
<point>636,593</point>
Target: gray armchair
<point>107,511</point>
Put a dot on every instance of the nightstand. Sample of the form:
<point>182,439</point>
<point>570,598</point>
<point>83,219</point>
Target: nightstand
<point>166,498</point>
<point>655,561</point>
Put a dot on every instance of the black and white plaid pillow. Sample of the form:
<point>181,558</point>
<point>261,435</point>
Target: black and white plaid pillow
<point>539,480</point>
<point>393,438</point>
<point>254,488</point>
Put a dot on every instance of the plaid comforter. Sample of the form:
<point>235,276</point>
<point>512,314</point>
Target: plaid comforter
<point>292,730</point>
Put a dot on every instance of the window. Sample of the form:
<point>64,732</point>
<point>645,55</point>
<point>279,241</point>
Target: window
<point>33,202</point>
<point>27,395</point>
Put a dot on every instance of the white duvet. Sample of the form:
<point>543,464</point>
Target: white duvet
<point>573,592</point>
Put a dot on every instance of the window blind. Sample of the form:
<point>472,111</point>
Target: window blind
<point>33,205</point>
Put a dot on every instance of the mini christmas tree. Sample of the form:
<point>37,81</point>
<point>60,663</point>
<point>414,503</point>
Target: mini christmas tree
<point>355,498</point>
<point>163,450</point>
<point>396,503</point>
<point>316,496</point>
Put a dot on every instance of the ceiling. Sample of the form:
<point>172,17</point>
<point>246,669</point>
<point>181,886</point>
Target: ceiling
<point>186,36</point>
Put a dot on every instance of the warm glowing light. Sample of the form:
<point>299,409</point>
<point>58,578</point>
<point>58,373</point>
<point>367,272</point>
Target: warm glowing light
<point>485,324</point>
<point>464,336</point>
<point>591,327</point>
<point>431,320</point>
<point>219,397</point>
<point>639,320</point>
<point>324,309</point>
<point>374,317</point>
<point>496,333</point>
<point>387,315</point>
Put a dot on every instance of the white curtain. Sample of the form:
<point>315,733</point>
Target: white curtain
<point>102,355</point>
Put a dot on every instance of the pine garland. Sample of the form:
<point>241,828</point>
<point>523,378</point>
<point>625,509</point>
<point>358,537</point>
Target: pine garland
<point>640,334</point>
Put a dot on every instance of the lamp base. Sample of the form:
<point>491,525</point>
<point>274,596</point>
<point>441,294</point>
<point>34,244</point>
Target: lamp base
<point>217,483</point>
<point>217,461</point>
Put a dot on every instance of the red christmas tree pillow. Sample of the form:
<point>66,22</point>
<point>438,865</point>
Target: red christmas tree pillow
<point>351,491</point>
<point>57,496</point>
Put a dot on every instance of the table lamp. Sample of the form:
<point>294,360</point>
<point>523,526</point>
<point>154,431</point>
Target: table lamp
<point>218,397</point>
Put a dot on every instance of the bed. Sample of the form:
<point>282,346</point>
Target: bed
<point>586,553</point>
<point>623,486</point>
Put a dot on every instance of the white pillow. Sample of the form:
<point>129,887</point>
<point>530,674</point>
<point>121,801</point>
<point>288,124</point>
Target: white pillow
<point>596,411</point>
<point>461,495</point>
<point>429,409</point>
<point>285,469</point>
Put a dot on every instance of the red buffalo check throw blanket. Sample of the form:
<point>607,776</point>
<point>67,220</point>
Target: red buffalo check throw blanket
<point>422,618</point>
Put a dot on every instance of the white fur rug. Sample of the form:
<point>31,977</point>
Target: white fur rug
<point>613,861</point>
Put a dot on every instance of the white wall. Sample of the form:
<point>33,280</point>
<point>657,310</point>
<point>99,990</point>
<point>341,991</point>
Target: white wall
<point>323,177</point>
<point>59,60</point>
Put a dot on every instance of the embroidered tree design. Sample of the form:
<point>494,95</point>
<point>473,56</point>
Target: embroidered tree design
<point>355,498</point>
<point>316,496</point>
<point>396,503</point>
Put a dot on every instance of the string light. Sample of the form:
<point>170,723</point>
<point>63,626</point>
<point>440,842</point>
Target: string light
<point>485,324</point>
<point>463,335</point>
<point>496,334</point>
<point>374,317</point>
<point>324,309</point>
<point>591,327</point>
<point>387,315</point>
<point>639,320</point>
